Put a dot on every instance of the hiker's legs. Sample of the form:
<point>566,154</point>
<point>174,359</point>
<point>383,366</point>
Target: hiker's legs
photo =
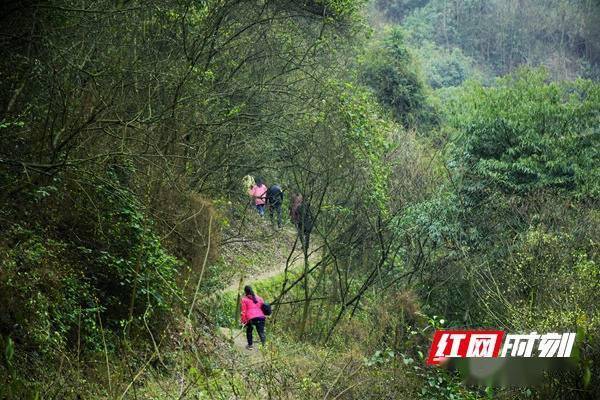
<point>278,210</point>
<point>249,332</point>
<point>306,240</point>
<point>300,235</point>
<point>260,328</point>
<point>271,210</point>
<point>303,235</point>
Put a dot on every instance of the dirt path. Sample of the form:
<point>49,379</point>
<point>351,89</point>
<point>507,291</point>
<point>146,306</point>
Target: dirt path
<point>238,335</point>
<point>250,278</point>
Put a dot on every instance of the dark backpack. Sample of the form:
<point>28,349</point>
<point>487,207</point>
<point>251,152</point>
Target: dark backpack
<point>275,195</point>
<point>266,308</point>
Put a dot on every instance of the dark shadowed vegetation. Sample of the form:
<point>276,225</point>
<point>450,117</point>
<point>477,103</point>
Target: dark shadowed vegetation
<point>447,153</point>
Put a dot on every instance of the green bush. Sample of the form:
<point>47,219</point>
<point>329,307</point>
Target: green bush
<point>390,70</point>
<point>444,68</point>
<point>96,263</point>
<point>526,134</point>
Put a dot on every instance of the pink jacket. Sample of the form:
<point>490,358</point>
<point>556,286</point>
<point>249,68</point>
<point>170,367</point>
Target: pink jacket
<point>250,309</point>
<point>258,193</point>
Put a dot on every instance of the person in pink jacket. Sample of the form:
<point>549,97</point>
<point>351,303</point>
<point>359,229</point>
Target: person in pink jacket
<point>258,193</point>
<point>253,316</point>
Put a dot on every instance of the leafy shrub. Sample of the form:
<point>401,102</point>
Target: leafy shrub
<point>444,68</point>
<point>389,70</point>
<point>526,134</point>
<point>550,284</point>
<point>98,263</point>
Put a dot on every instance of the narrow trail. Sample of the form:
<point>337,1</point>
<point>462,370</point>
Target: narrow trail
<point>251,278</point>
<point>238,335</point>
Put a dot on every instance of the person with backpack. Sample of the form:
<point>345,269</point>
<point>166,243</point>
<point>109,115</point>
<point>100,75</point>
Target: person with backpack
<point>302,218</point>
<point>274,202</point>
<point>253,315</point>
<point>258,193</point>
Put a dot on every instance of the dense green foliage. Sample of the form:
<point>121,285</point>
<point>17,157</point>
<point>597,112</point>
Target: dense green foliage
<point>503,34</point>
<point>57,284</point>
<point>441,195</point>
<point>513,234</point>
<point>525,135</point>
<point>444,67</point>
<point>389,69</point>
